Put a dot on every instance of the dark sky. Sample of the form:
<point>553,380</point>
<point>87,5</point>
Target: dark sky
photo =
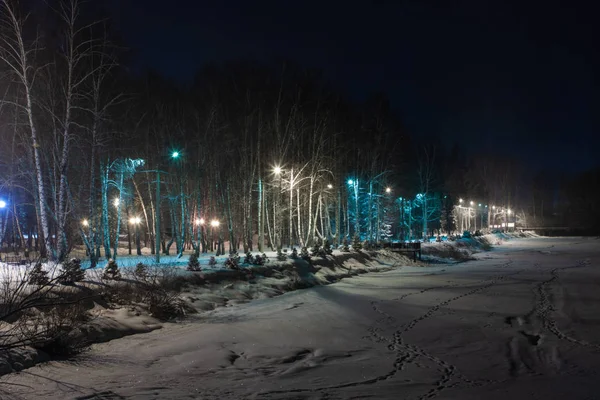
<point>519,77</point>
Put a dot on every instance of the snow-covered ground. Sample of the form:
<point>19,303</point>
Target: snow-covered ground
<point>519,322</point>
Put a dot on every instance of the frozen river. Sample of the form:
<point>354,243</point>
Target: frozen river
<point>520,322</point>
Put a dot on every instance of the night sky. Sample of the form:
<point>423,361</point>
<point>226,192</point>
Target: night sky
<point>517,77</point>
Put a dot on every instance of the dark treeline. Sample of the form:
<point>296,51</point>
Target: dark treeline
<point>253,155</point>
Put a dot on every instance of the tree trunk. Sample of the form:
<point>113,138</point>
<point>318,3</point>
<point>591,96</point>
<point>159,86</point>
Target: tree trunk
<point>105,226</point>
<point>261,224</point>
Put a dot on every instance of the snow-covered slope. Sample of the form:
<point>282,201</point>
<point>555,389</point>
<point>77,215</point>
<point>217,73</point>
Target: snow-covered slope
<point>520,322</point>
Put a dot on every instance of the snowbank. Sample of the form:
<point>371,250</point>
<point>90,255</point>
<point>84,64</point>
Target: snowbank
<point>224,288</point>
<point>108,318</point>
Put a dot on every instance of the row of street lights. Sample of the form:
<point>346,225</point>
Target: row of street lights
<point>472,206</point>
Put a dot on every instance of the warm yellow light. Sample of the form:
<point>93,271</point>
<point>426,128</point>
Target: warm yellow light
<point>85,222</point>
<point>200,221</point>
<point>330,186</point>
<point>277,170</point>
<point>388,190</point>
<point>460,200</point>
<point>116,202</point>
<point>214,223</point>
<point>471,203</point>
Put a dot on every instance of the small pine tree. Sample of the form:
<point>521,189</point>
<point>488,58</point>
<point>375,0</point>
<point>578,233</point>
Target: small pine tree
<point>141,271</point>
<point>304,254</point>
<point>193,263</point>
<point>294,254</point>
<point>356,244</point>
<point>111,271</point>
<point>280,255</point>
<point>38,276</point>
<point>316,249</point>
<point>233,262</point>
<point>212,261</point>
<point>367,245</point>
<point>236,256</point>
<point>258,260</point>
<point>71,272</point>
<point>249,259</point>
<point>346,245</point>
<point>327,247</point>
<point>265,258</point>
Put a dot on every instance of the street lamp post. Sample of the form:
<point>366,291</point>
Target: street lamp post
<point>474,216</point>
<point>215,226</point>
<point>135,221</point>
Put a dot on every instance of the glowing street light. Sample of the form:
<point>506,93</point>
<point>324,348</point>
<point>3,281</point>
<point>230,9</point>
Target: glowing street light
<point>277,170</point>
<point>330,186</point>
<point>471,203</point>
<point>135,220</point>
<point>85,222</point>
<point>2,204</point>
<point>175,154</point>
<point>116,202</point>
<point>350,182</point>
<point>214,223</point>
<point>388,190</point>
<point>460,200</point>
<point>200,221</point>
<point>509,211</point>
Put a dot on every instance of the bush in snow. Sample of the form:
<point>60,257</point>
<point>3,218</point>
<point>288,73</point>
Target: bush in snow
<point>233,262</point>
<point>280,255</point>
<point>356,244</point>
<point>111,271</point>
<point>265,258</point>
<point>38,276</point>
<point>193,263</point>
<point>249,259</point>
<point>294,254</point>
<point>71,272</point>
<point>212,261</point>
<point>304,254</point>
<point>141,271</point>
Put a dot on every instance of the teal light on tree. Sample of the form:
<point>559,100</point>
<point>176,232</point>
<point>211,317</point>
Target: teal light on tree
<point>175,154</point>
